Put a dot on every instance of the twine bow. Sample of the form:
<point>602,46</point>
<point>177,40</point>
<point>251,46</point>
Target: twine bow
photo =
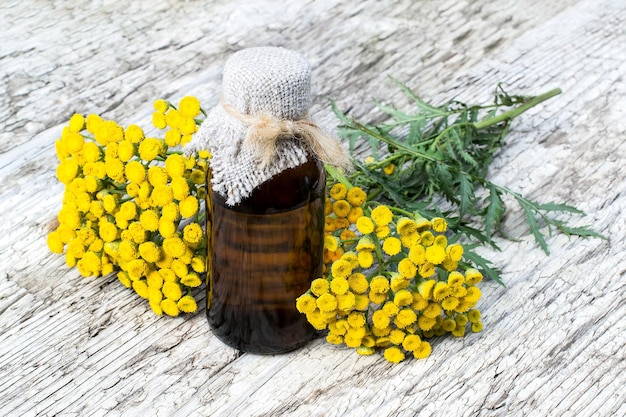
<point>265,131</point>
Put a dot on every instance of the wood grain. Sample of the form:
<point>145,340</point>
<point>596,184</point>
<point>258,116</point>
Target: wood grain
<point>553,339</point>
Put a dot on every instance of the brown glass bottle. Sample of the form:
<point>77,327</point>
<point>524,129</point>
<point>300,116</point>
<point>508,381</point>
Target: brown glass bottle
<point>264,253</point>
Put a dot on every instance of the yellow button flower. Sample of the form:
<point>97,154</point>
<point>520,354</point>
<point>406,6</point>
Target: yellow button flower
<point>423,351</point>
<point>319,286</point>
<point>341,268</point>
<point>358,282</point>
<point>189,106</point>
<point>338,191</point>
<point>326,302</point>
<point>339,285</point>
<point>170,307</point>
<point>407,268</point>
<point>341,208</point>
<point>187,304</point>
<point>392,246</point>
<point>382,215</point>
<point>379,284</point>
<point>365,225</point>
<point>439,224</point>
<point>356,196</point>
<point>473,276</point>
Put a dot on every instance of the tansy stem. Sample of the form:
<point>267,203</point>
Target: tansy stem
<point>518,110</point>
<point>338,176</point>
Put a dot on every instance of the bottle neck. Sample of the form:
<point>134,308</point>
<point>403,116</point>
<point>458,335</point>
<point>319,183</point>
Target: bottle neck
<point>288,190</point>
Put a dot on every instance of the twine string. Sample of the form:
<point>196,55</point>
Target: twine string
<point>265,131</point>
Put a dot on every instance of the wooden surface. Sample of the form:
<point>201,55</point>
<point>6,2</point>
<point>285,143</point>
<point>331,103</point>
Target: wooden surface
<point>553,339</point>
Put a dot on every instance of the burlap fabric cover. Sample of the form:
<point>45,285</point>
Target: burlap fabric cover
<point>259,80</point>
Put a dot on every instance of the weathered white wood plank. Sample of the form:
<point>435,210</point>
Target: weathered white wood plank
<point>554,337</point>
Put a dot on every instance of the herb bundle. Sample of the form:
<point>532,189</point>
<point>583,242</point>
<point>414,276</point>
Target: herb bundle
<point>435,162</point>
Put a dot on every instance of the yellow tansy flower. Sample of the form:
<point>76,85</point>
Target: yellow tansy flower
<point>473,276</point>
<point>455,252</point>
<point>380,319</point>
<point>76,123</point>
<point>365,243</point>
<point>320,286</point>
<point>172,137</point>
<point>432,310</point>
<point>334,339</point>
<point>356,196</point>
<point>365,258</point>
<point>356,319</point>
<point>136,269</point>
<point>187,304</point>
<point>406,226</point>
<point>426,270</point>
<point>417,254</point>
<point>193,233</point>
<point>358,283</point>
<point>141,288</point>
<point>338,191</point>
<point>382,231</point>
<point>189,106</point>
<point>191,280</point>
<point>347,234</point>
<point>449,303</point>
<point>331,243</point>
<point>426,323</point>
<point>473,316</point>
<point>396,336</point>
<point>341,208</point>
<point>189,206</point>
<point>403,298</point>
<point>441,240</point>
<point>382,215</point>
<point>423,351</point>
<point>167,228</point>
<point>91,152</point>
<point>365,225</point>
<point>473,294</point>
<point>379,284</point>
<point>172,290</point>
<point>425,288</point>
<point>411,342</point>
<point>441,291</point>
<point>407,268</point>
<point>339,285</point>
<point>405,317</point>
<point>439,224</point>
<point>419,303</point>
<point>389,169</point>
<point>427,238</point>
<point>67,170</point>
<point>326,302</point>
<point>306,303</point>
<point>170,307</point>
<point>341,268</point>
<point>455,278</point>
<point>354,214</point>
<point>477,327</point>
<point>345,302</point>
<point>392,246</point>
<point>390,308</point>
<point>361,302</point>
<point>149,219</point>
<point>160,105</point>
<point>133,134</point>
<point>175,165</point>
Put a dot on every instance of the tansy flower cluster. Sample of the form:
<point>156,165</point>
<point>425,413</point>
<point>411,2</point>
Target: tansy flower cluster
<point>391,279</point>
<point>132,204</point>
